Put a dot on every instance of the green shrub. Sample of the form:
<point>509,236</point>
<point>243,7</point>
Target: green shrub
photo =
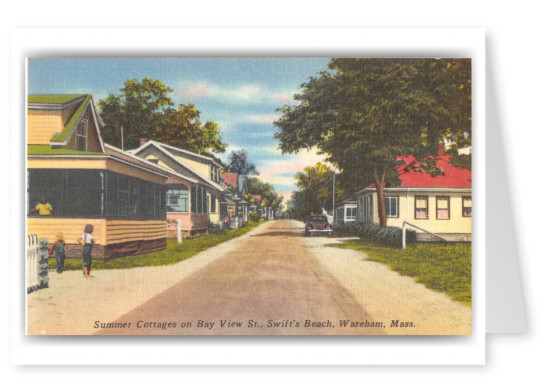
<point>215,228</point>
<point>389,236</point>
<point>253,216</point>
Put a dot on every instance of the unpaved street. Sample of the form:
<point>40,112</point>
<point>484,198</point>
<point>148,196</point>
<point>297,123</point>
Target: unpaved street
<point>269,281</point>
<point>270,284</point>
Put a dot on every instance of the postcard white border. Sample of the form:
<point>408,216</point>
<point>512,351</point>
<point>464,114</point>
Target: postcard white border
<point>245,350</point>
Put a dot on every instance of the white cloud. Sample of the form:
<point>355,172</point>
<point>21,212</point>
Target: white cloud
<point>238,94</point>
<point>246,92</point>
<point>282,172</point>
<point>262,118</point>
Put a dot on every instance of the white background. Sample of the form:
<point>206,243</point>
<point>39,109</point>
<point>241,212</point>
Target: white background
<point>517,49</point>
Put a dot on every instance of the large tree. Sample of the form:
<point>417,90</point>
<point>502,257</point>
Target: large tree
<point>364,113</point>
<point>238,162</point>
<point>317,184</point>
<point>182,128</point>
<point>144,110</point>
<point>138,109</point>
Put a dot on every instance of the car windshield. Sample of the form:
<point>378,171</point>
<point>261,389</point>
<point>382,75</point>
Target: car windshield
<point>317,218</point>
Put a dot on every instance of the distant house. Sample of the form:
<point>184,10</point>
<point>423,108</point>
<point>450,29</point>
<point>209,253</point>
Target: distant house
<point>263,211</point>
<point>345,211</point>
<point>88,182</point>
<point>193,204</point>
<point>441,204</point>
<point>239,184</point>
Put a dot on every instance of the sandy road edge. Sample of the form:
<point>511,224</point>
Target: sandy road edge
<point>72,304</point>
<point>387,295</point>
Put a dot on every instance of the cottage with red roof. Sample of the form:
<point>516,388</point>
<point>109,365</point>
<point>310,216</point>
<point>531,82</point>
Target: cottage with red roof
<point>440,204</point>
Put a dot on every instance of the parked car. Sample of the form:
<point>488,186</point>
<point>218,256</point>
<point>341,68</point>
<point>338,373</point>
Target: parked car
<point>317,224</point>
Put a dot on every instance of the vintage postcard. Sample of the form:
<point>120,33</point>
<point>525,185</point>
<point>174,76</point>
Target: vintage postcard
<point>249,196</point>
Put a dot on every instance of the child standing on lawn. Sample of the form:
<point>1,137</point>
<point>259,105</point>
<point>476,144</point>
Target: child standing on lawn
<point>87,242</point>
<point>59,247</point>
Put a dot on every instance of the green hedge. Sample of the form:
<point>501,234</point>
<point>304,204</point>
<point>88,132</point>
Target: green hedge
<point>253,216</point>
<point>389,236</point>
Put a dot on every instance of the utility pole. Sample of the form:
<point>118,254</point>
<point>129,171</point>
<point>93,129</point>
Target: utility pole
<point>122,138</point>
<point>334,174</point>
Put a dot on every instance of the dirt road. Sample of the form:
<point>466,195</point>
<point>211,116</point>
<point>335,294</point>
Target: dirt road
<point>271,280</point>
<point>270,284</point>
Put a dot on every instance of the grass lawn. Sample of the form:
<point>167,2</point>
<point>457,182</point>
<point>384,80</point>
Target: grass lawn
<point>443,267</point>
<point>174,252</point>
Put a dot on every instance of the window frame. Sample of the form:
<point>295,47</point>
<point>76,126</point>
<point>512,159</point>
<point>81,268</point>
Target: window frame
<point>183,195</point>
<point>397,207</point>
<point>82,124</point>
<point>448,208</point>
<point>463,206</point>
<point>212,203</point>
<point>426,198</point>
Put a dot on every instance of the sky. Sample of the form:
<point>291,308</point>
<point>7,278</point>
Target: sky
<point>240,94</point>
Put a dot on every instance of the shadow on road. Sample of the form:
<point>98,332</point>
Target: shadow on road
<point>281,232</point>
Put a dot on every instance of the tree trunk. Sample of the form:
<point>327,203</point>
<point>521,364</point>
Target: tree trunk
<point>379,187</point>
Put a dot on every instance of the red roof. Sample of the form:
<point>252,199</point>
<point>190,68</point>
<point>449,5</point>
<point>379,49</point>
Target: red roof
<point>452,177</point>
<point>230,178</point>
<point>350,200</point>
<point>258,197</point>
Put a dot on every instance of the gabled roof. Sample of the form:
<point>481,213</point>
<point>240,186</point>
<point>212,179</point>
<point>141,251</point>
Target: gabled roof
<point>452,177</point>
<point>166,150</point>
<point>145,162</point>
<point>61,102</point>
<point>348,201</point>
<point>242,180</point>
<point>177,150</point>
<point>230,178</point>
<point>257,196</point>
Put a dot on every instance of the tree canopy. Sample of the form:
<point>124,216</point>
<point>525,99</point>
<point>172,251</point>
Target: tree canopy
<point>314,191</point>
<point>144,109</point>
<point>267,191</point>
<point>238,162</point>
<point>182,128</point>
<point>137,109</point>
<point>364,113</point>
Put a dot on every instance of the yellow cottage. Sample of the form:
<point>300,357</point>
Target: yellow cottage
<point>194,206</point>
<point>87,182</point>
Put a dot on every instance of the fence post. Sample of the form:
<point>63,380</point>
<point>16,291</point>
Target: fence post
<point>179,231</point>
<point>43,279</point>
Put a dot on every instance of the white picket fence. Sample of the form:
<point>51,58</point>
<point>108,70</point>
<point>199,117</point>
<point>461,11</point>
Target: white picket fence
<point>32,262</point>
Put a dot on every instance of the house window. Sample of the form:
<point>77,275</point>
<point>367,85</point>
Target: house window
<point>212,204</point>
<point>177,199</point>
<point>351,213</point>
<point>442,208</point>
<point>421,208</point>
<point>81,134</point>
<point>198,200</point>
<point>391,206</point>
<point>467,206</point>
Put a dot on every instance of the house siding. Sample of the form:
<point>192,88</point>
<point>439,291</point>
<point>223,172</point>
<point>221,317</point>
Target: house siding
<point>43,124</point>
<point>456,226</point>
